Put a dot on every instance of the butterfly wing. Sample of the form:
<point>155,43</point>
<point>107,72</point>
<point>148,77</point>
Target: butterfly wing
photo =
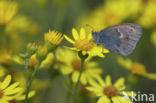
<point>120,38</point>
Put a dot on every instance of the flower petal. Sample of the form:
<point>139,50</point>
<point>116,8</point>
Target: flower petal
<point>101,81</point>
<point>75,76</point>
<point>68,39</point>
<point>151,76</point>
<point>123,100</point>
<point>103,99</point>
<point>75,34</point>
<point>14,91</point>
<point>6,82</point>
<point>108,80</point>
<point>119,83</point>
<point>83,79</point>
<point>90,36</point>
<point>116,100</point>
<point>13,86</point>
<point>66,70</point>
<point>82,33</point>
<point>93,83</point>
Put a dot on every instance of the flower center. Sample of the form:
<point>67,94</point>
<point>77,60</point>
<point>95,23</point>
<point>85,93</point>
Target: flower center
<point>76,63</point>
<point>153,20</point>
<point>1,93</point>
<point>84,44</point>
<point>145,1</point>
<point>110,91</point>
<point>12,101</point>
<point>138,69</point>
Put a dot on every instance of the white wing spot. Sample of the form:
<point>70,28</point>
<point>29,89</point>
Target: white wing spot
<point>121,34</point>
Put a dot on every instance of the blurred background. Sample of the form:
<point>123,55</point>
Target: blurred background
<point>31,19</point>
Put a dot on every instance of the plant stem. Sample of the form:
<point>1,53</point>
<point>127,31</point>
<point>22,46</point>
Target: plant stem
<point>77,83</point>
<point>63,77</point>
<point>30,81</point>
<point>59,68</point>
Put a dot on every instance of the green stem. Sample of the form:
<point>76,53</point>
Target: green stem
<point>63,77</point>
<point>77,83</point>
<point>30,82</point>
<point>132,81</point>
<point>59,68</point>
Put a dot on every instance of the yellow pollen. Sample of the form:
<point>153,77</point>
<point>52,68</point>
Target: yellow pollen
<point>84,44</point>
<point>138,69</point>
<point>76,63</point>
<point>1,93</point>
<point>110,91</point>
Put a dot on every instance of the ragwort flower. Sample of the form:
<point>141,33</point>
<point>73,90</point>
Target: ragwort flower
<point>70,64</point>
<point>7,11</point>
<point>148,19</point>
<point>7,92</point>
<point>136,68</point>
<point>107,92</point>
<point>84,42</point>
<point>53,39</point>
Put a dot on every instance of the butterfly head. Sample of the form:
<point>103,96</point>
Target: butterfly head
<point>95,36</point>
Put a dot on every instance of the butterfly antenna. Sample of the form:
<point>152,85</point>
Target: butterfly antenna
<point>90,27</point>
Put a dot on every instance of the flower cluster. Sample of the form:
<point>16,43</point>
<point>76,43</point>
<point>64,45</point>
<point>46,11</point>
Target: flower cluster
<point>84,42</point>
<point>107,92</point>
<point>12,92</point>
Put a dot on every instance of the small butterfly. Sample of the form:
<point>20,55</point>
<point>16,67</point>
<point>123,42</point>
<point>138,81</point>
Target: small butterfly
<point>120,38</point>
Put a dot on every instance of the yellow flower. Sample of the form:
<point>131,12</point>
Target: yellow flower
<point>8,58</point>
<point>149,16</point>
<point>153,38</point>
<point>107,92</point>
<point>111,13</point>
<point>53,37</point>
<point>70,64</point>
<point>7,92</point>
<point>84,42</point>
<point>136,68</point>
<point>7,11</point>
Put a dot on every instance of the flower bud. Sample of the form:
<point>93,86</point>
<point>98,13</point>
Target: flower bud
<point>41,53</point>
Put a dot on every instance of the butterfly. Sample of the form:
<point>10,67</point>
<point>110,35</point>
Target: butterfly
<point>120,38</point>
